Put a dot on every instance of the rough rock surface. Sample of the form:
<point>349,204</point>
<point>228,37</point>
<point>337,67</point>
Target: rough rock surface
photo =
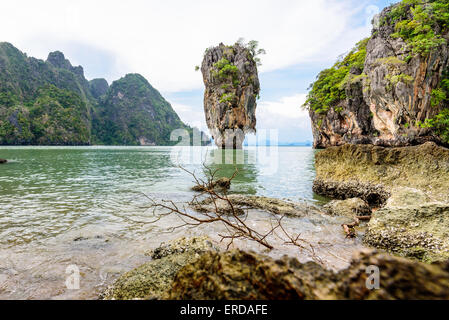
<point>222,183</point>
<point>243,202</point>
<point>349,208</point>
<point>411,225</point>
<point>386,101</point>
<point>152,279</point>
<point>98,87</point>
<point>220,206</point>
<point>368,171</point>
<point>275,206</point>
<point>242,275</point>
<point>232,87</point>
<point>409,184</point>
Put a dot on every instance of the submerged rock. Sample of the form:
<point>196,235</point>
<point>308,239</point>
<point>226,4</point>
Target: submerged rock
<point>349,208</point>
<point>232,87</point>
<point>249,276</point>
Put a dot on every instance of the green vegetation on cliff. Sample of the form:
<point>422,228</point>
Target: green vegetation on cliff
<point>134,113</point>
<point>329,88</point>
<point>51,103</point>
<point>424,26</point>
<point>421,24</point>
<point>57,117</point>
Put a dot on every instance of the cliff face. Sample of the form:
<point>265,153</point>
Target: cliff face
<point>134,113</point>
<point>393,88</point>
<point>52,103</point>
<point>232,88</point>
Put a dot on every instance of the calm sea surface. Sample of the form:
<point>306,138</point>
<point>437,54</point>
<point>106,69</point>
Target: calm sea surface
<point>85,206</point>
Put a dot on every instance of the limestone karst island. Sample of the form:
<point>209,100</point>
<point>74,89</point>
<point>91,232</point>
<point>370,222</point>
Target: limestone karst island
<point>298,152</point>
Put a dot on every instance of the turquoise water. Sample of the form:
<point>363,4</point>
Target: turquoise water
<point>86,206</point>
<point>47,191</point>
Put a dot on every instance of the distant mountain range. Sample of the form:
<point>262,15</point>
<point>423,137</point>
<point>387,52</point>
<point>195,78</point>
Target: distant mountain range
<point>52,103</point>
<point>281,144</point>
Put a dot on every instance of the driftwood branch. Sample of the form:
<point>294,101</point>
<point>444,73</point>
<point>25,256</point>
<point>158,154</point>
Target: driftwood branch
<point>233,220</point>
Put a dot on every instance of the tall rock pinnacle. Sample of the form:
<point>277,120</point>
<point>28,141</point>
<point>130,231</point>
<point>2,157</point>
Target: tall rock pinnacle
<point>232,88</point>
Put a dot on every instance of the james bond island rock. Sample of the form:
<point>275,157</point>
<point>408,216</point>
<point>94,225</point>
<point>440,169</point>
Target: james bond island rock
<point>232,88</point>
<point>392,89</point>
<point>52,103</point>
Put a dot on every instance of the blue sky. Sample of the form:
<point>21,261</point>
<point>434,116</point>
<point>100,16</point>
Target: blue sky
<point>164,40</point>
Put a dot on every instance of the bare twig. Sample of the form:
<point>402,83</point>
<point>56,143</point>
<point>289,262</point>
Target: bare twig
<point>234,223</point>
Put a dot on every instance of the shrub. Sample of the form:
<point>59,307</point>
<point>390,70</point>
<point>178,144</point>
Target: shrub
<point>328,90</point>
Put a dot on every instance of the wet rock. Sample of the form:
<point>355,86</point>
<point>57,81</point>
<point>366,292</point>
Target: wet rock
<point>245,275</point>
<point>275,206</point>
<point>349,208</point>
<point>411,225</point>
<point>219,206</point>
<point>242,202</point>
<point>154,278</point>
<point>193,245</point>
<point>3,161</point>
<point>222,183</point>
<point>232,87</point>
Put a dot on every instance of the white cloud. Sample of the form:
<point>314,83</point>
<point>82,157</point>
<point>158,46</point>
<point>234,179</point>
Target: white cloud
<point>287,116</point>
<point>193,116</point>
<point>164,40</point>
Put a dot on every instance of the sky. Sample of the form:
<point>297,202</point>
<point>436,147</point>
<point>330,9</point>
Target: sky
<point>165,39</point>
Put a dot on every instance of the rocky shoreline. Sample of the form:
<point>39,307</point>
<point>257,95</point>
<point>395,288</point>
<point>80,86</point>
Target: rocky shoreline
<point>406,187</point>
<point>194,269</point>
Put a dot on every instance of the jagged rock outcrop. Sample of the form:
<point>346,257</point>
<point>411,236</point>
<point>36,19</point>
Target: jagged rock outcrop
<point>388,88</point>
<point>135,113</point>
<point>232,88</point>
<point>249,276</point>
<point>98,87</point>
